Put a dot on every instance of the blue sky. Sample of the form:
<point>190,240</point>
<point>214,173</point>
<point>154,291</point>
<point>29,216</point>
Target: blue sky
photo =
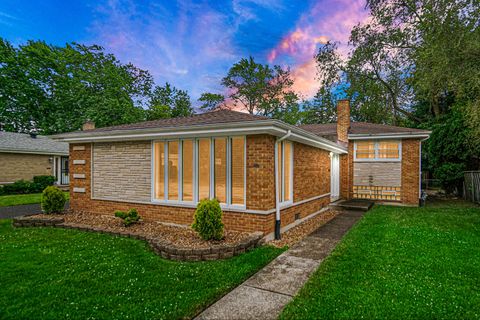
<point>190,44</point>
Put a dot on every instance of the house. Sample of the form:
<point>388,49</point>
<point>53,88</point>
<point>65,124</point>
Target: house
<point>164,167</point>
<point>23,156</point>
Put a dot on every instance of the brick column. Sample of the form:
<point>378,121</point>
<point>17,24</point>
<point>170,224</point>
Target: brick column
<point>410,171</point>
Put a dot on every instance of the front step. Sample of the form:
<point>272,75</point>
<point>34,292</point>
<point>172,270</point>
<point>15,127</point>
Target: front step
<point>362,205</point>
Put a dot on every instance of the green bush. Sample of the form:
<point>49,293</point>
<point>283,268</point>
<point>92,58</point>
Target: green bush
<point>53,200</point>
<point>129,217</point>
<point>208,220</point>
<point>38,184</point>
<point>44,181</point>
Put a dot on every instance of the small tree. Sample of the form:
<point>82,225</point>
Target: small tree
<point>53,200</point>
<point>208,220</point>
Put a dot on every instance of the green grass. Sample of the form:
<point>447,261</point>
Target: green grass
<point>52,273</point>
<point>400,263</point>
<point>17,199</point>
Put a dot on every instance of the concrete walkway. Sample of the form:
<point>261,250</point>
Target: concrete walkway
<point>266,293</point>
<point>22,210</point>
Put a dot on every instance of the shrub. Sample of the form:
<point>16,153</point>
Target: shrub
<point>129,217</point>
<point>53,200</point>
<point>18,187</point>
<point>44,181</point>
<point>208,220</point>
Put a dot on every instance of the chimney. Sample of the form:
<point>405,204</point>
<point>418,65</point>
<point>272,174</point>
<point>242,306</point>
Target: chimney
<point>343,120</point>
<point>89,125</point>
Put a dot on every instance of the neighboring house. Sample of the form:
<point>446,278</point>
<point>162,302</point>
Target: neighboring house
<point>23,156</point>
<point>164,167</point>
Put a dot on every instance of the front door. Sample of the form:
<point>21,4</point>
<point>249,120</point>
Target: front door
<point>335,177</point>
<point>64,170</point>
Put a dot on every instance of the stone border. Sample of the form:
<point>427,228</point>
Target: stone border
<point>163,248</point>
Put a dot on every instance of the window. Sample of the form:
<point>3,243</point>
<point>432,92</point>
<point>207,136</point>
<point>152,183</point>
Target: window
<point>203,169</point>
<point>190,170</point>
<point>187,170</point>
<point>285,159</point>
<point>365,150</point>
<point>382,150</point>
<point>389,149</point>
<point>221,169</point>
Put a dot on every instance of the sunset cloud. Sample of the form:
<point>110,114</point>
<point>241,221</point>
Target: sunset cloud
<point>325,21</point>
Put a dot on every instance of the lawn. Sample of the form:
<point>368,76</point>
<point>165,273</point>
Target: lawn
<point>17,199</point>
<point>52,273</point>
<point>398,263</point>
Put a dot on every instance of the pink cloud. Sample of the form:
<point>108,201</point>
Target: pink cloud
<point>327,20</point>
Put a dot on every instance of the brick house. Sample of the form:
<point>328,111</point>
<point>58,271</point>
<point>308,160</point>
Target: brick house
<point>163,167</point>
<point>23,156</point>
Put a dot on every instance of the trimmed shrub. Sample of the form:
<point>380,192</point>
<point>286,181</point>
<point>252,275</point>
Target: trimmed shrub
<point>129,217</point>
<point>53,200</point>
<point>208,220</point>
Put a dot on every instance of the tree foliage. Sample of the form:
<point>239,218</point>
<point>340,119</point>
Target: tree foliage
<point>168,102</point>
<point>260,89</point>
<point>212,101</point>
<point>416,63</point>
<point>52,89</point>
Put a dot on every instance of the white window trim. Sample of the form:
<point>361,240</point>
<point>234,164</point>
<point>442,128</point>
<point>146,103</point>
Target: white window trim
<point>165,199</point>
<point>376,148</point>
<point>281,162</point>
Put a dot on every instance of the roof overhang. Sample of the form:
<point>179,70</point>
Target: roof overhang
<point>272,127</point>
<point>421,136</point>
<point>46,153</point>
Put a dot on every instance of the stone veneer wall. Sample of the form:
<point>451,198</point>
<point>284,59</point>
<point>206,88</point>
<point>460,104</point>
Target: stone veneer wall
<point>260,185</point>
<point>122,170</point>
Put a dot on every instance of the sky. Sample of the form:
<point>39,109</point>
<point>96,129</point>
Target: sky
<point>191,44</point>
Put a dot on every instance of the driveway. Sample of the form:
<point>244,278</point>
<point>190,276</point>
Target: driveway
<point>22,210</point>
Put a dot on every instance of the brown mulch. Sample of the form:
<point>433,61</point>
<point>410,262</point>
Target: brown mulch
<point>299,232</point>
<point>177,235</point>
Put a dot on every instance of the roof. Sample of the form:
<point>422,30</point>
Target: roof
<point>362,128</point>
<point>214,123</point>
<point>212,117</point>
<point>13,142</point>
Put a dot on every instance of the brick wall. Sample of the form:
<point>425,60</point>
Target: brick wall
<point>311,178</point>
<point>343,120</point>
<point>113,177</point>
<point>410,171</point>
<point>260,172</point>
<point>16,166</point>
<point>311,172</point>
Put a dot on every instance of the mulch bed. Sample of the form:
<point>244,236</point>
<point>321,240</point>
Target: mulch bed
<point>180,236</point>
<point>302,230</point>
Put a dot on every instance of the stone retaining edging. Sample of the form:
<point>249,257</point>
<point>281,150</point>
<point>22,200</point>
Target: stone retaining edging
<point>162,248</point>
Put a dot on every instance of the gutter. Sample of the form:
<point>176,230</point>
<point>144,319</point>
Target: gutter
<point>277,196</point>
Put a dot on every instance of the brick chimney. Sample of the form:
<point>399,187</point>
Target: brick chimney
<point>343,120</point>
<point>89,125</point>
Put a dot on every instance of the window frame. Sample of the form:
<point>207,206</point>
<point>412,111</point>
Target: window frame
<point>281,164</point>
<point>376,158</point>
<point>195,197</point>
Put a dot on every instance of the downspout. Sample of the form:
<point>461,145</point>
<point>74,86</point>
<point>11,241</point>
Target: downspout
<point>277,196</point>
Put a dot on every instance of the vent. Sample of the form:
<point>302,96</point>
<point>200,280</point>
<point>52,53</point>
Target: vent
<point>297,216</point>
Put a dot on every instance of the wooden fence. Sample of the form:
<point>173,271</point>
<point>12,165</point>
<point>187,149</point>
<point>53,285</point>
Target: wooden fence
<point>472,186</point>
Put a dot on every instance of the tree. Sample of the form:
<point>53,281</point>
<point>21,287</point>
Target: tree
<point>168,102</point>
<point>212,101</point>
<point>257,88</point>
<point>54,89</point>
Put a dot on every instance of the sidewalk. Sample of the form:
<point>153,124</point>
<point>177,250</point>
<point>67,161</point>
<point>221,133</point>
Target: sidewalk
<point>266,293</point>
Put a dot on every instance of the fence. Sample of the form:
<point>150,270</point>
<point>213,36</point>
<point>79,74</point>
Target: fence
<point>471,186</point>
